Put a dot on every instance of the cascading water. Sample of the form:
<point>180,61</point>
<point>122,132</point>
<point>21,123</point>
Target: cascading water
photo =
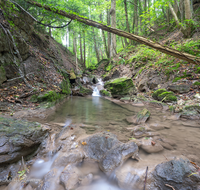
<point>96,89</point>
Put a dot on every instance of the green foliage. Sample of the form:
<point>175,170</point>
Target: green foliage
<point>191,47</point>
<point>50,96</point>
<point>196,83</point>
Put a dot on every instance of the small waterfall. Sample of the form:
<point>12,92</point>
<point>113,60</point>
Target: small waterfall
<point>95,92</point>
<point>95,89</point>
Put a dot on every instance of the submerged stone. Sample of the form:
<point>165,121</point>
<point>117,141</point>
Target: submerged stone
<point>120,87</point>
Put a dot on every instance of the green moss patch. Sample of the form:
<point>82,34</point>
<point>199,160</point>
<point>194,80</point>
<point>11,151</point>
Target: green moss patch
<point>85,91</point>
<point>120,86</point>
<point>65,86</point>
<point>196,84</point>
<point>105,93</point>
<point>164,95</point>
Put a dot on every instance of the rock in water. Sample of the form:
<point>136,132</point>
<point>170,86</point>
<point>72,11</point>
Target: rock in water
<point>19,138</point>
<point>141,117</point>
<point>120,87</point>
<point>108,150</point>
<point>176,173</point>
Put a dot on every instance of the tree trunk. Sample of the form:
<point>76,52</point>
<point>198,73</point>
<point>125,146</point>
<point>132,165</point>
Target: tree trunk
<point>49,31</point>
<point>74,42</point>
<point>126,15</point>
<point>104,42</point>
<point>136,17</point>
<point>81,51</point>
<point>84,50</point>
<point>113,25</point>
<point>104,39</point>
<point>168,50</point>
<point>176,18</point>
<point>182,10</point>
<point>188,16</point>
<point>109,34</point>
<point>95,47</point>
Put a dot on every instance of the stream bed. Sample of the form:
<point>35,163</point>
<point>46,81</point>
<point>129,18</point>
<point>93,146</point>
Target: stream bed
<point>61,163</point>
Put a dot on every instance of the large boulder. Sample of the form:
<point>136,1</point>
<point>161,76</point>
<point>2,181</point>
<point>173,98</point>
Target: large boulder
<point>19,138</point>
<point>108,150</point>
<point>120,87</point>
<point>178,173</point>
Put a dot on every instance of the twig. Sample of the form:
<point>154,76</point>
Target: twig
<point>145,181</point>
<point>170,186</point>
<point>166,157</point>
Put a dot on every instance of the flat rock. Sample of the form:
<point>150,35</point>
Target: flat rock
<point>179,88</point>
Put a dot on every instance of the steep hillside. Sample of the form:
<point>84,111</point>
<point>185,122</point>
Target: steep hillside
<point>30,61</point>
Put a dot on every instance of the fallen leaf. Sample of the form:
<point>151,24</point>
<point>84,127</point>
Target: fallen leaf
<point>153,143</point>
<point>108,130</point>
<point>83,143</point>
<point>76,146</point>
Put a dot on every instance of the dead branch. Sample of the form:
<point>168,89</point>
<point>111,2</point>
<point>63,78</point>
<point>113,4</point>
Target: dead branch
<point>145,181</point>
<point>48,25</point>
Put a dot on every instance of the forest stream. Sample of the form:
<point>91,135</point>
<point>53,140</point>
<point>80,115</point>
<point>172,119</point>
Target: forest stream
<point>97,115</point>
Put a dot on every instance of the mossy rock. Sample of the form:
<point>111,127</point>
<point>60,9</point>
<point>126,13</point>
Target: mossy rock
<point>105,93</point>
<point>158,92</point>
<point>50,96</point>
<point>191,112</point>
<point>19,138</point>
<point>85,91</point>
<point>65,86</point>
<point>164,95</point>
<point>120,87</point>
<point>196,84</point>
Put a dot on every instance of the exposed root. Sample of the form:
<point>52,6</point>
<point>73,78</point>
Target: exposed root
<point>169,186</point>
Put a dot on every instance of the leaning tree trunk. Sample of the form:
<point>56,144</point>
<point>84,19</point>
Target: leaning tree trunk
<point>168,50</point>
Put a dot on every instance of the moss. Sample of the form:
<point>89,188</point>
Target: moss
<point>171,108</point>
<point>141,129</point>
<point>158,92</point>
<point>105,93</point>
<point>120,86</point>
<point>50,96</point>
<point>34,98</point>
<point>170,98</point>
<point>85,91</point>
<point>164,94</point>
<point>65,86</point>
<point>196,84</point>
